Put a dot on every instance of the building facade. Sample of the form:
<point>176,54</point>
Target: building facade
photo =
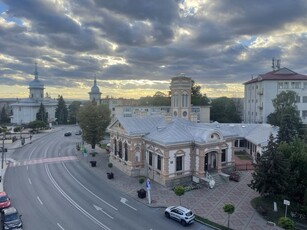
<point>172,149</point>
<point>259,93</point>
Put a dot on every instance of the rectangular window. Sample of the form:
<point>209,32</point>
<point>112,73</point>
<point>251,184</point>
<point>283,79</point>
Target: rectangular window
<point>150,158</point>
<point>179,163</point>
<point>304,113</point>
<point>305,85</point>
<point>126,152</point>
<point>280,85</point>
<point>286,85</point>
<point>159,162</point>
<point>304,99</point>
<point>223,155</point>
<point>297,99</point>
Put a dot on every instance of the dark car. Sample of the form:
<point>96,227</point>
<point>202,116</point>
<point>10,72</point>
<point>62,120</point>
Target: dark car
<point>67,134</point>
<point>11,219</point>
<point>235,176</point>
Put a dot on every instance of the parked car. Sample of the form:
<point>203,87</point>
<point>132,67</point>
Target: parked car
<point>67,134</point>
<point>4,200</point>
<point>78,132</point>
<point>11,219</point>
<point>181,214</point>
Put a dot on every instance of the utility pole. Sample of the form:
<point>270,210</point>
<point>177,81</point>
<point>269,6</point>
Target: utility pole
<point>2,162</point>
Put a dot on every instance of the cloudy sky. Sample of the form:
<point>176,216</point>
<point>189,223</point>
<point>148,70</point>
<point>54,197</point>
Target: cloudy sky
<point>134,47</point>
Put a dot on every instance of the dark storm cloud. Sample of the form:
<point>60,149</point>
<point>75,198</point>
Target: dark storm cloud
<point>219,41</point>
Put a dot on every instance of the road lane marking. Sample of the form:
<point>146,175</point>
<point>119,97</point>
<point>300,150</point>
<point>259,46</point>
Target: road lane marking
<point>60,226</point>
<point>87,188</point>
<point>44,160</point>
<point>39,200</point>
<point>70,200</point>
<point>29,181</point>
<point>124,200</point>
<point>100,209</point>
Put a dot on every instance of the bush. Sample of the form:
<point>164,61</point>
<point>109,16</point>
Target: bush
<point>286,223</point>
<point>110,165</point>
<point>262,210</point>
<point>141,180</point>
<point>17,129</point>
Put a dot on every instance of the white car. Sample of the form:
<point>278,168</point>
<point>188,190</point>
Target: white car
<point>181,214</point>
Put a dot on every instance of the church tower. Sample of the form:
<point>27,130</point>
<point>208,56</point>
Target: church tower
<point>36,87</point>
<point>95,94</point>
<point>181,96</point>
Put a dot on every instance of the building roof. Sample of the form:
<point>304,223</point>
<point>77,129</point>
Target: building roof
<point>180,131</point>
<point>139,125</point>
<point>280,74</point>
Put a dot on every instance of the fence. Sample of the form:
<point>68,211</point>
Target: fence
<point>244,167</point>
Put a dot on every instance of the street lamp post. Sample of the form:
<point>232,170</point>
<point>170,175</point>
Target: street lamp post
<point>2,162</point>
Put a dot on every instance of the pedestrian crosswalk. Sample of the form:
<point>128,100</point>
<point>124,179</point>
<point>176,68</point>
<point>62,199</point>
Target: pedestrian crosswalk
<point>42,161</point>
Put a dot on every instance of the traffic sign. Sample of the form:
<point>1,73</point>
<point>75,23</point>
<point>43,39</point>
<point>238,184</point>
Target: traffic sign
<point>148,184</point>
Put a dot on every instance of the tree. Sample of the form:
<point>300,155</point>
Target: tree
<point>61,112</point>
<point>272,172</point>
<point>229,209</point>
<point>197,98</point>
<point>296,153</point>
<point>4,118</point>
<point>224,110</point>
<point>93,121</point>
<point>37,124</point>
<point>286,116</point>
<point>73,109</point>
<point>159,99</point>
<point>179,191</point>
<point>42,115</point>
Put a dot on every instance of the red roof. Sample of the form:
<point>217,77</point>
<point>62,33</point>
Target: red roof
<point>280,74</point>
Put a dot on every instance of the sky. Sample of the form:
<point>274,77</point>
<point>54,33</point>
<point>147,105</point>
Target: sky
<point>134,47</point>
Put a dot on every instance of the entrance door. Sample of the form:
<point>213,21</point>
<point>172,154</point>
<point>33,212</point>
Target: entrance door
<point>206,162</point>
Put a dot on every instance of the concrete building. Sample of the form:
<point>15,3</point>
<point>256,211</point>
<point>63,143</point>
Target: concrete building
<point>25,110</point>
<point>173,149</point>
<point>259,93</point>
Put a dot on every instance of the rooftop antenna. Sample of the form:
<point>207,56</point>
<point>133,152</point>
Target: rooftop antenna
<point>278,64</point>
<point>273,64</point>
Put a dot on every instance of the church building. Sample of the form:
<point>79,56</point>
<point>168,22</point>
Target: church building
<point>25,110</point>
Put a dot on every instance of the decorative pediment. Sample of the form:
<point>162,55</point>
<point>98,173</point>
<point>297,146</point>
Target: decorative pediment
<point>159,151</point>
<point>214,136</point>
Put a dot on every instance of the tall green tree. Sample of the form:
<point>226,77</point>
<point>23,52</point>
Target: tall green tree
<point>223,110</point>
<point>42,115</point>
<point>296,153</point>
<point>197,98</point>
<point>73,109</point>
<point>4,118</point>
<point>93,121</point>
<point>61,112</point>
<point>286,116</point>
<point>272,171</point>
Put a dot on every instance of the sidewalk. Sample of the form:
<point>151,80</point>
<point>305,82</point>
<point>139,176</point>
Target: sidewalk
<point>204,202</point>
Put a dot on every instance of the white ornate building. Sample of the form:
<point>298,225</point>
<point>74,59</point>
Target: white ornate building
<point>25,110</point>
<point>259,93</point>
<point>173,149</point>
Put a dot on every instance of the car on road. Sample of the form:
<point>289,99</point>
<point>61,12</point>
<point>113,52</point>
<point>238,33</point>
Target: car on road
<point>5,201</point>
<point>181,214</point>
<point>78,132</point>
<point>67,134</point>
<point>11,219</point>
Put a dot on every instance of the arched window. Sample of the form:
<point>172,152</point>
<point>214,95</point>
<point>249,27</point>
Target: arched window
<point>126,152</point>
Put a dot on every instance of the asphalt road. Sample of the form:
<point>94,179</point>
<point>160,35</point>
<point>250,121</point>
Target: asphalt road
<point>53,190</point>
